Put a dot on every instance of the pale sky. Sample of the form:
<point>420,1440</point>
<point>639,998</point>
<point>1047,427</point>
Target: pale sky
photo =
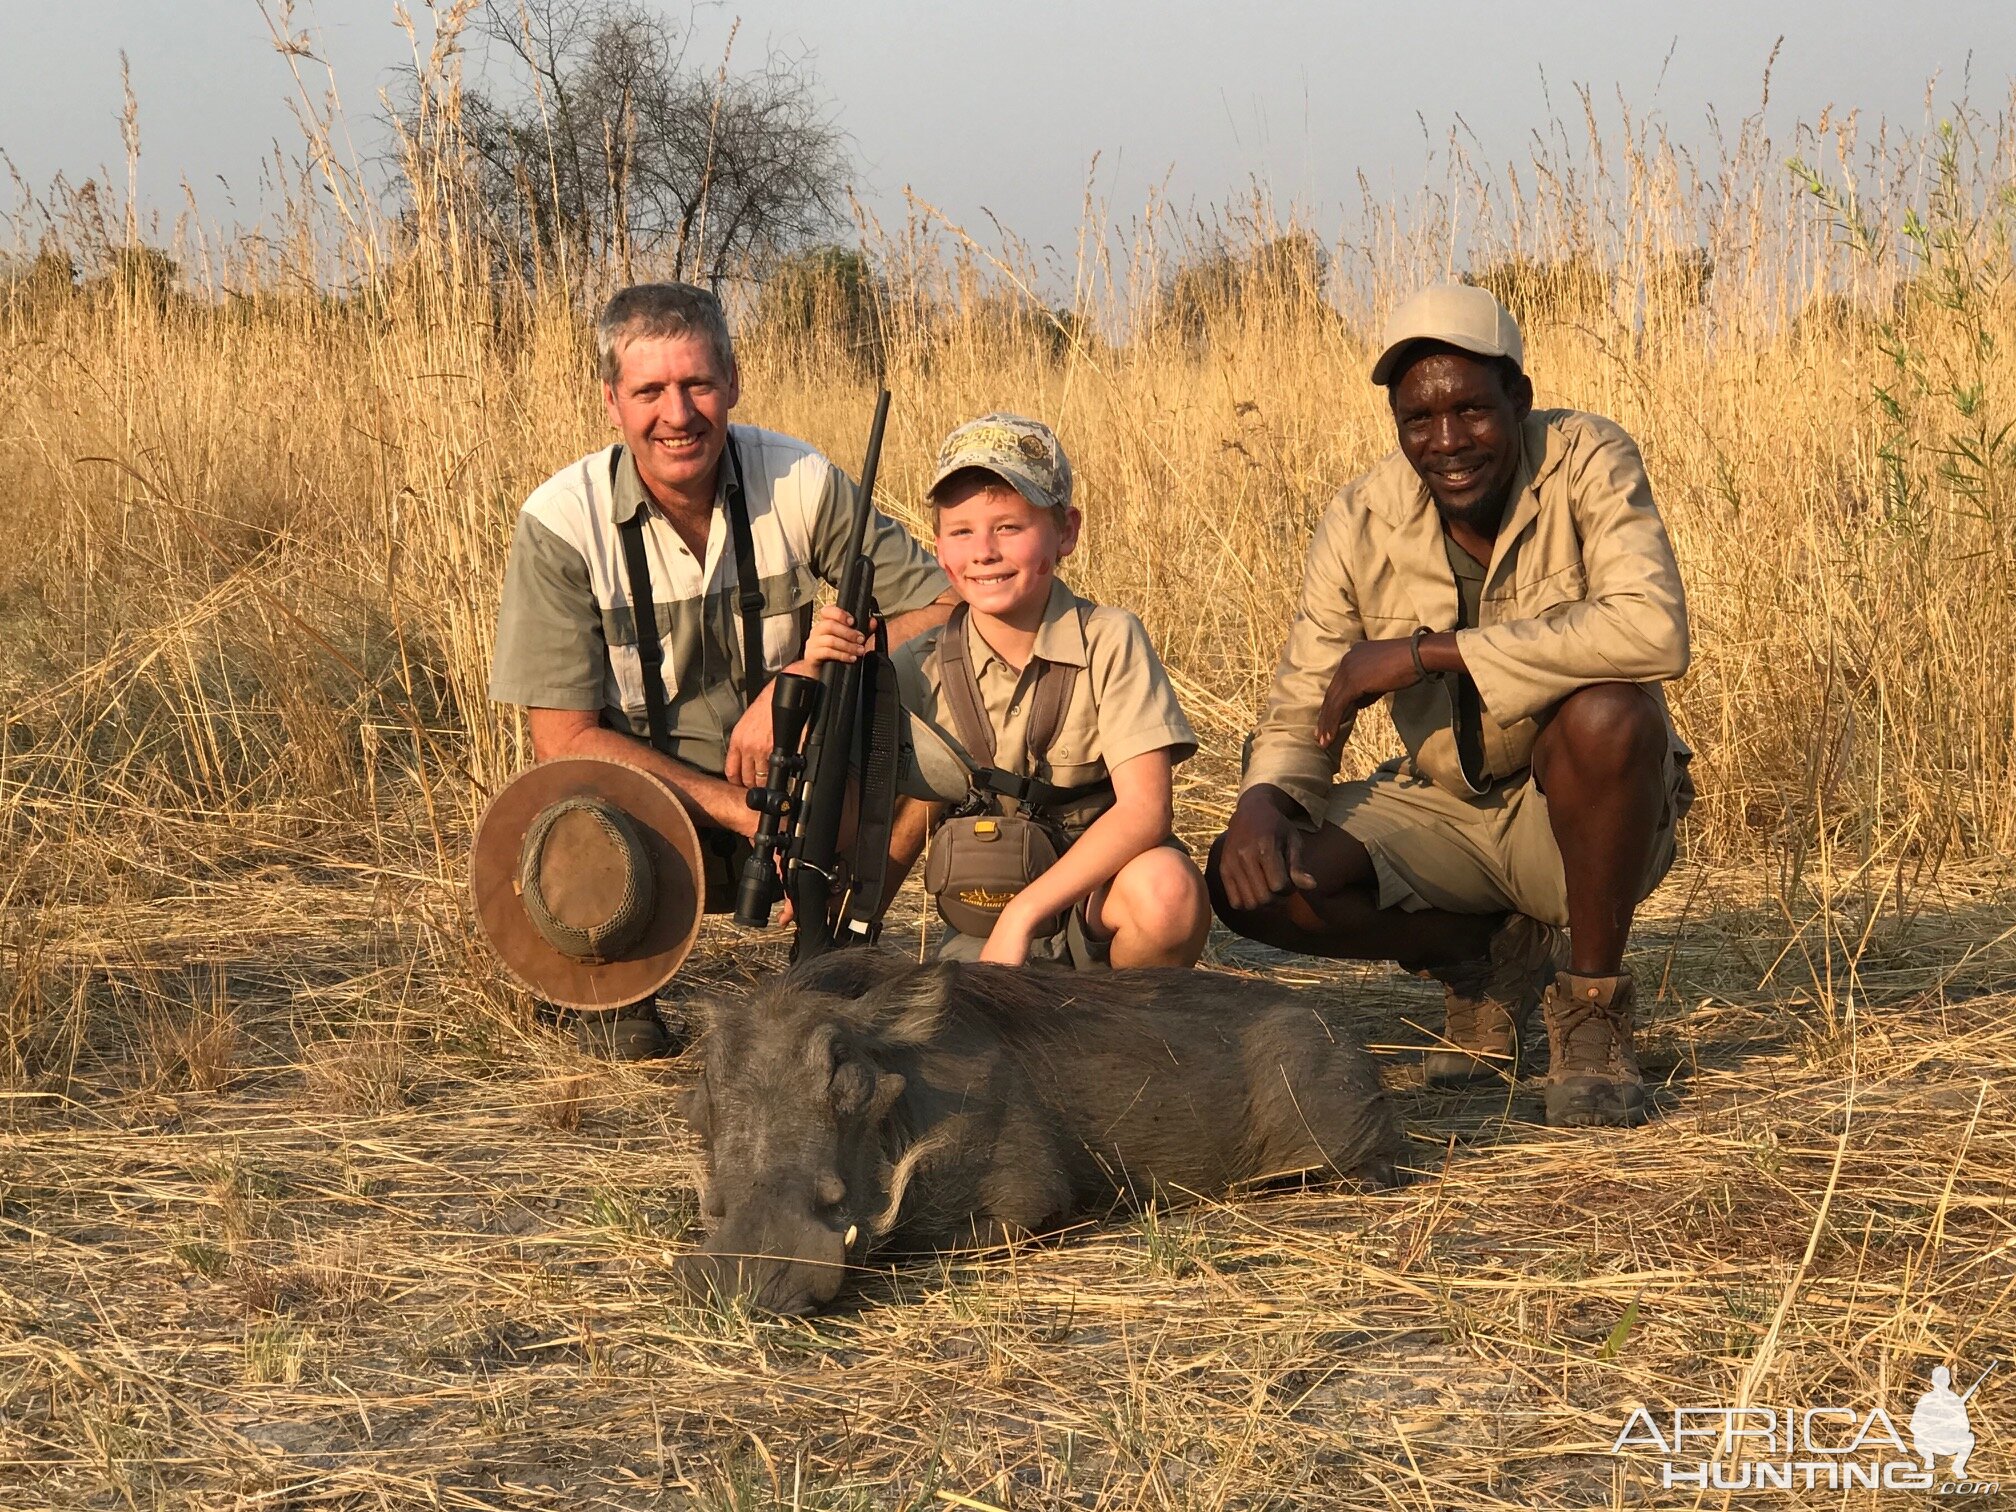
<point>988,108</point>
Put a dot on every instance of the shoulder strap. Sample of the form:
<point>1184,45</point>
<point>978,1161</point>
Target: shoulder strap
<point>644,614</point>
<point>748,590</point>
<point>1054,682</point>
<point>962,690</point>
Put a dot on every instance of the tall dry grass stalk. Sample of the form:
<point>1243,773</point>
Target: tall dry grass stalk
<point>257,1084</point>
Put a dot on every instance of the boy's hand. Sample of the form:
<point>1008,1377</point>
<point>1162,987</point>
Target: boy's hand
<point>834,638</point>
<point>1009,941</point>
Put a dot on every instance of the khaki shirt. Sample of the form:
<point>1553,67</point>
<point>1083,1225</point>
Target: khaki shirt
<point>1582,588</point>
<point>566,638</point>
<point>1121,705</point>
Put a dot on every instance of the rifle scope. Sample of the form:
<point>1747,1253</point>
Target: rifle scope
<point>791,709</point>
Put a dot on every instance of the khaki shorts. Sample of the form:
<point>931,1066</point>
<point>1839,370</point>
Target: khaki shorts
<point>1076,945</point>
<point>1491,854</point>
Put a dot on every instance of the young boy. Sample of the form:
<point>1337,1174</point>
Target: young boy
<point>1076,727</point>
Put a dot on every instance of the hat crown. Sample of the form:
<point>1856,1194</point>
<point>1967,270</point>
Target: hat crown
<point>1456,314</point>
<point>1022,452</point>
<point>586,877</point>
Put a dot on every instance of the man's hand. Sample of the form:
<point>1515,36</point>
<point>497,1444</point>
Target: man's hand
<point>752,740</point>
<point>1262,858</point>
<point>1370,670</point>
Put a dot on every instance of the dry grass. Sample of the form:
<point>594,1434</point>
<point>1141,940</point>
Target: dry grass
<point>300,1206</point>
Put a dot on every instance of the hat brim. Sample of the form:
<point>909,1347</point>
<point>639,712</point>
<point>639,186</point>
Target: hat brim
<point>1021,482</point>
<point>934,771</point>
<point>1382,370</point>
<point>675,853</point>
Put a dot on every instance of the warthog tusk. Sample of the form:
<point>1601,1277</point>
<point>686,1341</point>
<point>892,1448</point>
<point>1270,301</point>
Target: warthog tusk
<point>853,1233</point>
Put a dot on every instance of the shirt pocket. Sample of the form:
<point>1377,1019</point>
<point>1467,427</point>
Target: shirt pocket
<point>623,686</point>
<point>787,612</point>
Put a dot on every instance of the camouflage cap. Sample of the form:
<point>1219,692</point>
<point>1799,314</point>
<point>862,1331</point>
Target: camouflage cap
<point>1023,453</point>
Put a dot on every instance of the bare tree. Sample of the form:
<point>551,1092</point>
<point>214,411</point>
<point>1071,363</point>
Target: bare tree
<point>603,144</point>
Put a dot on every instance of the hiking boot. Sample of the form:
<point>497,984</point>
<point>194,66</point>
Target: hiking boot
<point>1592,1072</point>
<point>1486,1003</point>
<point>626,1034</point>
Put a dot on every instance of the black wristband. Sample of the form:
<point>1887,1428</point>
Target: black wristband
<point>1414,646</point>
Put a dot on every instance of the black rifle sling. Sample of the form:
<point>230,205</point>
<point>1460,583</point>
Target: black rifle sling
<point>879,756</point>
<point>644,615</point>
<point>748,591</point>
<point>1048,701</point>
<point>644,609</point>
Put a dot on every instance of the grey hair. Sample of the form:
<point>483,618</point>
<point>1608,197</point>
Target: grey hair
<point>659,310</point>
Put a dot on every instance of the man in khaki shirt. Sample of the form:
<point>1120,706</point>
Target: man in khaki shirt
<point>1505,578</point>
<point>697,491</point>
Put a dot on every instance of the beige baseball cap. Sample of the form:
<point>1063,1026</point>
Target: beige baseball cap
<point>1462,315</point>
<point>1023,453</point>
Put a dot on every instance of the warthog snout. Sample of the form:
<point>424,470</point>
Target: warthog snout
<point>790,1134</point>
<point>774,1263</point>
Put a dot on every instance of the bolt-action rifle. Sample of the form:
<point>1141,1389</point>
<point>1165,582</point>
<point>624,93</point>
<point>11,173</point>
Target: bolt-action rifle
<point>827,730</point>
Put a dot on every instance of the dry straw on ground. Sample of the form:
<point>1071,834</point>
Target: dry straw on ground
<point>300,1206</point>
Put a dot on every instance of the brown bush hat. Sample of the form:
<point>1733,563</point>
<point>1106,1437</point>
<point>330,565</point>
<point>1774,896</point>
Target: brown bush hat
<point>587,880</point>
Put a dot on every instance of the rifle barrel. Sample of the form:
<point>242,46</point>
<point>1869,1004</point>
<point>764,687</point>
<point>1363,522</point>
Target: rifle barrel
<point>830,746</point>
<point>864,506</point>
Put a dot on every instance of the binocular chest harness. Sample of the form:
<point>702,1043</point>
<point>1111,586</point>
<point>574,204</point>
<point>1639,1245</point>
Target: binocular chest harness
<point>1009,829</point>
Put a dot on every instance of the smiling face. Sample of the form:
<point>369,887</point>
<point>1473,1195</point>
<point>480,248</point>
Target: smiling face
<point>999,550</point>
<point>1458,419</point>
<point>671,400</point>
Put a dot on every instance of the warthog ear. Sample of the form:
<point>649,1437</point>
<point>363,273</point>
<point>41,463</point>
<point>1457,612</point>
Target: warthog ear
<point>852,1087</point>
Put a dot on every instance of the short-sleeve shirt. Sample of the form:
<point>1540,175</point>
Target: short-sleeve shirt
<point>1122,704</point>
<point>566,638</point>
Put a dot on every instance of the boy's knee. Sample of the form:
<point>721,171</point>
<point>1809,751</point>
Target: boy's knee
<point>1160,894</point>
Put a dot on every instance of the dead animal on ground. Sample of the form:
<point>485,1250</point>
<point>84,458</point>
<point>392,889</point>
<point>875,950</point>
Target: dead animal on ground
<point>863,1102</point>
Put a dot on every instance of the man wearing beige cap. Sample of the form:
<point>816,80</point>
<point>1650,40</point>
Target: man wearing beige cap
<point>1505,577</point>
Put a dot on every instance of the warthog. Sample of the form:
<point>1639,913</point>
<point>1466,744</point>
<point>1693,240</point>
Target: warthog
<point>865,1102</point>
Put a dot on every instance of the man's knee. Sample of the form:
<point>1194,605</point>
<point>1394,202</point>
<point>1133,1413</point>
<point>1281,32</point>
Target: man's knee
<point>1607,729</point>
